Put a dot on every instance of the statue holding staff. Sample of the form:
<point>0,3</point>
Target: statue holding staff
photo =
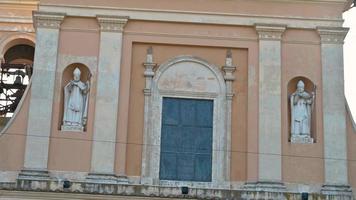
<point>301,103</point>
<point>75,103</point>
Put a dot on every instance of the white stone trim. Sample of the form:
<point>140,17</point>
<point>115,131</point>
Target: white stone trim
<point>17,28</point>
<point>41,100</point>
<point>107,99</point>
<point>8,176</point>
<point>152,132</point>
<point>112,23</point>
<point>332,35</point>
<point>16,19</point>
<point>270,31</point>
<point>47,19</point>
<point>20,2</point>
<point>269,122</point>
<point>4,41</point>
<point>192,17</point>
<point>334,111</point>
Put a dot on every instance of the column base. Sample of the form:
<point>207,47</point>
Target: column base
<point>264,190</point>
<point>337,192</point>
<point>37,180</point>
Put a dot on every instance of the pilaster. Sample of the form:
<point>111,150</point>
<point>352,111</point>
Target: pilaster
<point>334,113</point>
<point>270,161</point>
<point>42,92</point>
<point>229,68</point>
<point>149,74</point>
<point>107,100</point>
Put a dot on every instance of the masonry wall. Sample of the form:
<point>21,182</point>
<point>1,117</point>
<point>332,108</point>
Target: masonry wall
<point>79,42</point>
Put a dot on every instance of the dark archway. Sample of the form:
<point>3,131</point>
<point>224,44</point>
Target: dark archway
<point>15,74</point>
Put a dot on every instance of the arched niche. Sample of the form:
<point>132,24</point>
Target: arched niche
<point>67,76</point>
<point>186,77</point>
<point>309,86</point>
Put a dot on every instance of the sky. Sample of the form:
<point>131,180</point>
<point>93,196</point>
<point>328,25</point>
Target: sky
<point>350,60</point>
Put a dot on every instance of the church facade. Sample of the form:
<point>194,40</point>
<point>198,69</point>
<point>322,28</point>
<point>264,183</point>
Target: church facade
<point>196,99</point>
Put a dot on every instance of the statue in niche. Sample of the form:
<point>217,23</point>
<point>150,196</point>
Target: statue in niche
<point>301,111</point>
<point>75,103</point>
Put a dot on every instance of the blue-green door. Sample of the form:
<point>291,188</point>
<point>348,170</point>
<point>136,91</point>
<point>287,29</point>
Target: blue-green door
<point>186,140</point>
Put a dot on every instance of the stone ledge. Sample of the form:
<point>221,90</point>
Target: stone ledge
<point>251,191</point>
<point>343,192</point>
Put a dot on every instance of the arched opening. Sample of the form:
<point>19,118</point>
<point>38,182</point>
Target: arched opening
<point>67,77</point>
<point>16,70</point>
<point>309,88</point>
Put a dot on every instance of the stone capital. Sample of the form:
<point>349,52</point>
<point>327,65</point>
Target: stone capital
<point>112,23</point>
<point>47,19</point>
<point>332,35</point>
<point>270,31</point>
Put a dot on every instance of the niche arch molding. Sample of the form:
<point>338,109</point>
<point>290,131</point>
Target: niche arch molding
<point>15,39</point>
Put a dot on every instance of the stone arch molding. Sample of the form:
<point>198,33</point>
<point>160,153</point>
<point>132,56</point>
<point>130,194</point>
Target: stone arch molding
<point>185,77</point>
<point>14,39</point>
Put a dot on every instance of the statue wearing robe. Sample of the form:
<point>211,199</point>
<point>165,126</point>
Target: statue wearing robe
<point>75,103</point>
<point>301,110</point>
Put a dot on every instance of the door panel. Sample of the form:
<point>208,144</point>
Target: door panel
<point>186,139</point>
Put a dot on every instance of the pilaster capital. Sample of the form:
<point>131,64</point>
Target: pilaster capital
<point>332,35</point>
<point>270,31</point>
<point>47,19</point>
<point>110,23</point>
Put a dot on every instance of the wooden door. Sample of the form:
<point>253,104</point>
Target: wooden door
<point>186,139</point>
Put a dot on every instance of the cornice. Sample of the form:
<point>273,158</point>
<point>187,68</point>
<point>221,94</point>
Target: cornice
<point>308,1</point>
<point>48,19</point>
<point>20,2</point>
<point>270,31</point>
<point>192,16</point>
<point>16,19</point>
<point>330,35</point>
<point>112,23</point>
